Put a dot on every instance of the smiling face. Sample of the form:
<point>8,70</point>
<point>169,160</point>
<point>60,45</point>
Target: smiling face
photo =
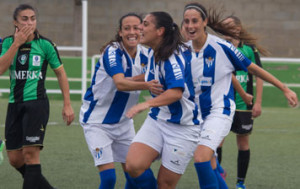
<point>26,17</point>
<point>151,36</point>
<point>130,32</point>
<point>193,24</point>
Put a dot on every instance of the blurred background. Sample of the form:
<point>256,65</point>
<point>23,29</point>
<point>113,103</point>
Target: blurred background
<point>276,22</point>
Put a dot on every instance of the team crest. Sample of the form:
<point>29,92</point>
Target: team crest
<point>98,153</point>
<point>22,59</point>
<point>209,61</point>
<point>36,60</point>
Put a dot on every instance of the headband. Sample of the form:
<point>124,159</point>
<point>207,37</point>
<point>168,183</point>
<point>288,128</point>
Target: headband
<point>195,7</point>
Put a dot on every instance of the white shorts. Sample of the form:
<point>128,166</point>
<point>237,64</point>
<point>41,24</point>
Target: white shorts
<point>109,142</point>
<point>214,129</point>
<point>175,143</point>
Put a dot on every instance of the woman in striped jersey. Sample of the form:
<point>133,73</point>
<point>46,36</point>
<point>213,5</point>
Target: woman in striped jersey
<point>212,62</point>
<point>108,132</point>
<point>244,114</point>
<point>171,130</point>
<point>27,54</point>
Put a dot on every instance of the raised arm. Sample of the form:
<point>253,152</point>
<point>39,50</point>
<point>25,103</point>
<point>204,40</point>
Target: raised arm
<point>124,84</point>
<point>20,37</point>
<point>167,97</point>
<point>266,76</point>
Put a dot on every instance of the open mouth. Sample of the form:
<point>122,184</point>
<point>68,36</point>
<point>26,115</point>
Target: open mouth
<point>132,39</point>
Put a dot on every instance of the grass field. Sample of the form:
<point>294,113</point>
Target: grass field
<point>67,163</point>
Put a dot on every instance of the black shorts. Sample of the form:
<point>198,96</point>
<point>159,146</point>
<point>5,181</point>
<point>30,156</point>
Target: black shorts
<point>25,124</point>
<point>242,122</point>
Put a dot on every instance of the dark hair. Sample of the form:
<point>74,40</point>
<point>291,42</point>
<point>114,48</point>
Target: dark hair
<point>172,39</point>
<point>245,37</point>
<point>21,8</point>
<point>213,19</point>
<point>118,38</point>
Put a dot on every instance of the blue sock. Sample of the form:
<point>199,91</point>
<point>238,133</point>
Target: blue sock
<point>221,181</point>
<point>146,180</point>
<point>130,184</point>
<point>219,167</point>
<point>206,176</point>
<point>108,179</point>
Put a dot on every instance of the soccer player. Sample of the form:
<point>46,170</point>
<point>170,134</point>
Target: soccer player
<point>171,130</point>
<point>244,114</point>
<point>114,89</point>
<point>212,62</point>
<point>27,54</point>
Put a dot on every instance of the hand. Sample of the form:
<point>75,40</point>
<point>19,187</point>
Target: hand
<point>68,114</point>
<point>292,98</point>
<point>155,88</point>
<point>22,35</point>
<point>256,110</point>
<point>137,109</point>
<point>247,98</point>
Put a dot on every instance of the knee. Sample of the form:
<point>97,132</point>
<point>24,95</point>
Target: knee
<point>164,183</point>
<point>134,169</point>
<point>31,155</point>
<point>16,162</point>
<point>203,154</point>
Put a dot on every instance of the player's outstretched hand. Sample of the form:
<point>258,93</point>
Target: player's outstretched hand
<point>292,98</point>
<point>68,114</point>
<point>137,109</point>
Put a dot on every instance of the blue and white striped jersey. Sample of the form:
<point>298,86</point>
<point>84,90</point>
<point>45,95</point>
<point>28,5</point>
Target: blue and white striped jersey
<point>170,74</point>
<point>209,72</point>
<point>102,102</point>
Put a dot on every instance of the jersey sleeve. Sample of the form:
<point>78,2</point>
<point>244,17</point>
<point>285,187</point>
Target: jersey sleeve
<point>112,61</point>
<point>237,59</point>
<point>53,56</point>
<point>5,45</point>
<point>174,74</point>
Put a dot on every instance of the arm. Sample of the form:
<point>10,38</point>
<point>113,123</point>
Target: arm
<point>256,110</point>
<point>140,77</point>
<point>259,72</point>
<point>247,98</point>
<point>166,98</point>
<point>67,112</point>
<point>20,37</point>
<point>124,84</point>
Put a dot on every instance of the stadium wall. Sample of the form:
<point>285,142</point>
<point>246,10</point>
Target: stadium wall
<point>276,22</point>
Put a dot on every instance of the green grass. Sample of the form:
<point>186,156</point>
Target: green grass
<point>67,163</point>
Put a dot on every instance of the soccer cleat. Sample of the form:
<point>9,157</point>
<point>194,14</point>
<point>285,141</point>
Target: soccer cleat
<point>1,149</point>
<point>240,185</point>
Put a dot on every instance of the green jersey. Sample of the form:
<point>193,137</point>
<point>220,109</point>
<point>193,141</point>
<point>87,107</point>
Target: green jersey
<point>245,78</point>
<point>29,66</point>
